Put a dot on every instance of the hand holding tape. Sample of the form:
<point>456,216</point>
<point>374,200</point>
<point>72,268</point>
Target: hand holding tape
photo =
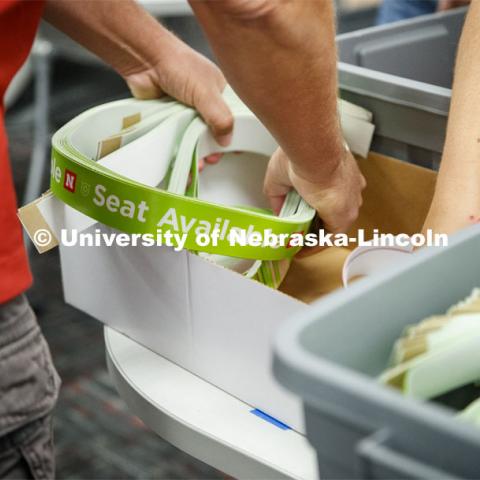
<point>127,164</point>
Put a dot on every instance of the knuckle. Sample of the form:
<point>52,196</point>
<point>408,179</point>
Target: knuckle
<point>250,9</point>
<point>352,218</point>
<point>196,95</point>
<point>267,187</point>
<point>353,214</point>
<point>337,229</point>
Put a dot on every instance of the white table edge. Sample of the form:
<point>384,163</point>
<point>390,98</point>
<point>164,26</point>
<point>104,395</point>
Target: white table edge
<point>185,436</point>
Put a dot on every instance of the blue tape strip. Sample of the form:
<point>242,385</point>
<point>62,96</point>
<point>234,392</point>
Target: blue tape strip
<point>270,419</point>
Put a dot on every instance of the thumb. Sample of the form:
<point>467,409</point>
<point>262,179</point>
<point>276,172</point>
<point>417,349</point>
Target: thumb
<point>277,182</point>
<point>217,115</point>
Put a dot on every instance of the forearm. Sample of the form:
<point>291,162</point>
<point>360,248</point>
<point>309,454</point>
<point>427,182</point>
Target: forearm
<point>152,61</point>
<point>281,59</point>
<point>457,196</point>
<point>120,32</point>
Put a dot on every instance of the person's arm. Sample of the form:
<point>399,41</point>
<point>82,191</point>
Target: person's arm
<point>151,59</point>
<point>456,202</point>
<point>280,57</point>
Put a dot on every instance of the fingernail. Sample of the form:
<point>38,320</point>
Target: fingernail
<point>213,158</point>
<point>277,204</point>
<point>224,140</point>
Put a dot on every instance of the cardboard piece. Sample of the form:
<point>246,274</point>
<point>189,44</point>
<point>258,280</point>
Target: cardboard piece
<point>396,200</point>
<point>215,322</point>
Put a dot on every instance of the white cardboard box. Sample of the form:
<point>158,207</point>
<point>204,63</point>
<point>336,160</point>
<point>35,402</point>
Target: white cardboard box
<point>210,320</point>
<point>214,322</point>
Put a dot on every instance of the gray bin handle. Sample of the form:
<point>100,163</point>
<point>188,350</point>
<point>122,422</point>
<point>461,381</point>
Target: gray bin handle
<point>373,453</point>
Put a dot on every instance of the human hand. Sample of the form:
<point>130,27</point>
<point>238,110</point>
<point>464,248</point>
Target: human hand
<point>337,197</point>
<point>149,57</point>
<point>190,78</point>
<point>449,4</point>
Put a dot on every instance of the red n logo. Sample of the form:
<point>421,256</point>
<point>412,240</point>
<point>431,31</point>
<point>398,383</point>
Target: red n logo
<point>69,180</point>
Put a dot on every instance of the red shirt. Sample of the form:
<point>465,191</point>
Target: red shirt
<point>18,24</point>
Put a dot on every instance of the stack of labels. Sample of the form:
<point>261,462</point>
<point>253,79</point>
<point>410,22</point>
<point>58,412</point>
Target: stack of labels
<point>472,413</point>
<point>439,354</point>
<point>133,165</point>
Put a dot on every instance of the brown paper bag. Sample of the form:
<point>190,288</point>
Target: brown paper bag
<point>396,200</point>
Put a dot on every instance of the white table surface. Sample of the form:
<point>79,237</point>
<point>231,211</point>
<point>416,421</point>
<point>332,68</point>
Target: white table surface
<point>203,420</point>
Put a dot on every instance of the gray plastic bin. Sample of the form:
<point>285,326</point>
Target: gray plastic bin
<point>332,356</point>
<point>402,72</point>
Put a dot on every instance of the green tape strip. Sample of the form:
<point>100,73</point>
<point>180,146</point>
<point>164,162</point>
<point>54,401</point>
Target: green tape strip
<point>133,207</point>
<point>141,209</point>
